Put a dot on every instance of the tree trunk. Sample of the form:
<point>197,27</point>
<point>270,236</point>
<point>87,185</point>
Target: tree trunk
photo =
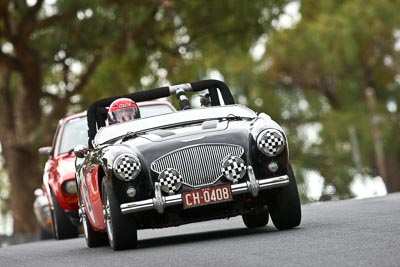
<point>377,136</point>
<point>24,176</point>
<point>393,171</point>
<point>19,134</point>
<point>24,170</point>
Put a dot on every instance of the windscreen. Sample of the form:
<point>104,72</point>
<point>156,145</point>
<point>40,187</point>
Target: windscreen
<point>183,117</point>
<point>154,109</point>
<point>74,133</point>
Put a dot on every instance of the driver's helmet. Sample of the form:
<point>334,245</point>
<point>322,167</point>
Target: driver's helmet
<point>121,110</point>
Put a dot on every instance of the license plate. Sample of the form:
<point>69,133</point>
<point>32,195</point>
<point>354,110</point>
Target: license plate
<point>206,196</point>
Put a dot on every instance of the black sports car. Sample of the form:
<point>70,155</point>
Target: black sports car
<point>215,161</point>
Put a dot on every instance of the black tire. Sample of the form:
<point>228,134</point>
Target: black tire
<point>121,229</point>
<point>254,220</point>
<point>93,239</point>
<point>63,228</point>
<point>284,204</point>
<point>44,233</point>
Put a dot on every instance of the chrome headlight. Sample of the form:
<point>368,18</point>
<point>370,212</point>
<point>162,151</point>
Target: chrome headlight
<point>126,167</point>
<point>233,168</point>
<point>271,142</point>
<point>170,180</point>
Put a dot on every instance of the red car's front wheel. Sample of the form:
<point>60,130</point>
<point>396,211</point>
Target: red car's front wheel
<point>63,228</point>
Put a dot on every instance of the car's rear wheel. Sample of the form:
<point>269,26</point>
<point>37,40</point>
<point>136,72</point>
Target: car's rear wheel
<point>63,228</point>
<point>284,204</point>
<point>121,229</point>
<point>254,220</point>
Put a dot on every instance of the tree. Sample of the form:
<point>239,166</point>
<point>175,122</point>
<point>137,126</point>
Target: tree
<point>327,60</point>
<point>57,57</point>
<point>4,195</point>
<point>23,65</point>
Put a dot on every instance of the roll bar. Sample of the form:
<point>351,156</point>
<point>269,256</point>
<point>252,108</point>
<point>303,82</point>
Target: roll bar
<point>97,112</point>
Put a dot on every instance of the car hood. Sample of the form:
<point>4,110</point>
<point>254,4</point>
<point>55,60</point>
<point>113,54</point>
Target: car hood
<point>157,143</point>
<point>66,167</point>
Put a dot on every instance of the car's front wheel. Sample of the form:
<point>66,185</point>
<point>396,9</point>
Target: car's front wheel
<point>63,228</point>
<point>121,229</point>
<point>254,220</point>
<point>44,233</point>
<point>284,204</point>
<point>93,238</point>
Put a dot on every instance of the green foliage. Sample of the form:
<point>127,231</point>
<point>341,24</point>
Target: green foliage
<point>65,54</point>
<point>337,50</point>
<point>183,43</point>
<point>312,77</point>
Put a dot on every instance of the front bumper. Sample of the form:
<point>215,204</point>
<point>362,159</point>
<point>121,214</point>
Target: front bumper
<point>160,202</point>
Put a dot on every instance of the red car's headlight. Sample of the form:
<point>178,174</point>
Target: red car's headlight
<point>69,187</point>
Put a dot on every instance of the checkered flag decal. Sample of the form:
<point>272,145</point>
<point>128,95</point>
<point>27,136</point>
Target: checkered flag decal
<point>233,168</point>
<point>126,167</point>
<point>170,181</point>
<point>272,141</point>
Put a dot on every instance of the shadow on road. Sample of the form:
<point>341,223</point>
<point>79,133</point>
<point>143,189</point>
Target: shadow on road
<point>206,236</point>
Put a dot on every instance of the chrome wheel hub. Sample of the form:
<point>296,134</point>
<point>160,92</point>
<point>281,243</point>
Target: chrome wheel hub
<point>82,216</point>
<point>107,218</point>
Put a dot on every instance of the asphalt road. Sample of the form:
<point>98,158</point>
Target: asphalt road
<point>338,233</point>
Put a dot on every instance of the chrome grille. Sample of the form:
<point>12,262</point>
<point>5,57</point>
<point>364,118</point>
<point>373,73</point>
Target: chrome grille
<point>198,164</point>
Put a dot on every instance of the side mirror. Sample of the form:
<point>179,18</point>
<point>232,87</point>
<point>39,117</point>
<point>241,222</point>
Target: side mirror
<point>81,151</point>
<point>46,150</point>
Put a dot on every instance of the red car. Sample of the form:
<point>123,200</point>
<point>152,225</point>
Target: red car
<point>59,175</point>
<point>59,171</point>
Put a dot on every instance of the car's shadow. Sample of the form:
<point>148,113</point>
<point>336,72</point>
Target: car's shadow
<point>204,236</point>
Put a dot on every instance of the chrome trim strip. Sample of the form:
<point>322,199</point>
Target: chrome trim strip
<point>186,87</point>
<point>237,189</point>
<point>159,200</point>
<point>253,186</point>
